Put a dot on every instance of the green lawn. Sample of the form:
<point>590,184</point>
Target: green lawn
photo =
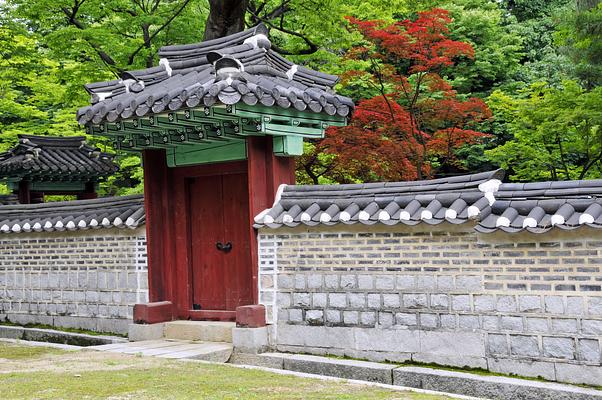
<point>44,373</point>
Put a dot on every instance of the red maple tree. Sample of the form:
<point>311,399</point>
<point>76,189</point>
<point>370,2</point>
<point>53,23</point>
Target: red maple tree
<point>416,121</point>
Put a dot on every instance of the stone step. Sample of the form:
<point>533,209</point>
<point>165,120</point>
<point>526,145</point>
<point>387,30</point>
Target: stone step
<point>206,331</point>
<point>174,349</point>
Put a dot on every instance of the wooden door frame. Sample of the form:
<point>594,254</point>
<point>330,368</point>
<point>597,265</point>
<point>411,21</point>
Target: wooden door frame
<point>166,204</point>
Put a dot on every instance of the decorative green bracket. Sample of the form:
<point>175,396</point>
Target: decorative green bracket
<point>217,133</point>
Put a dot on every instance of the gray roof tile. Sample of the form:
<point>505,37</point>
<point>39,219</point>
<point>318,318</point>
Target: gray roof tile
<point>186,77</point>
<point>105,212</point>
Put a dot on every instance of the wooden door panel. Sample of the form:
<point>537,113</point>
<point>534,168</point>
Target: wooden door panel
<point>236,222</point>
<point>206,230</point>
<point>219,212</point>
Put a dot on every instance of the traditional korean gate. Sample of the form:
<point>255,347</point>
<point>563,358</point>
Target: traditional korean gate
<point>221,263</point>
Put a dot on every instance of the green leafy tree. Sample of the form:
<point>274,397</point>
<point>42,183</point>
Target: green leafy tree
<point>557,133</point>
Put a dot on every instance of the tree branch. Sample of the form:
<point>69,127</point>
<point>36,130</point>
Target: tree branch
<point>151,37</point>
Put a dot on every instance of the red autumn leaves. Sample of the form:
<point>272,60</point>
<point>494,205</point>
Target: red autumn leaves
<point>417,121</point>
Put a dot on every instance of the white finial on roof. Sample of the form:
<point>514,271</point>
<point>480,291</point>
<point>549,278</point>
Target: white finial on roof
<point>291,72</point>
<point>451,214</point>
<point>384,216</point>
<point>165,63</point>
<point>325,217</point>
<point>288,219</point>
<point>259,41</point>
<point>529,223</point>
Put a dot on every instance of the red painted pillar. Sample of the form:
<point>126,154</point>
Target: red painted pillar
<point>24,193</point>
<point>89,192</point>
<point>156,203</point>
<point>266,173</point>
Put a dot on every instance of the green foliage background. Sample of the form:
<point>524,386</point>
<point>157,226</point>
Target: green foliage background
<point>538,64</point>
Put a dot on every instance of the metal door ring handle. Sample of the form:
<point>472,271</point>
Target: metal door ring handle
<point>224,247</point>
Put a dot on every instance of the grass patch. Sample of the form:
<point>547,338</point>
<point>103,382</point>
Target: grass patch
<point>10,351</point>
<point>127,377</point>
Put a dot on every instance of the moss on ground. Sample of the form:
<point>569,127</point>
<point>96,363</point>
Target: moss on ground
<point>61,329</point>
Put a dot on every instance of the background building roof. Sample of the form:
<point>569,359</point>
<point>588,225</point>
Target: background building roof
<point>46,158</point>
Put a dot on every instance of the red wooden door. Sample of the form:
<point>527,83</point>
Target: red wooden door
<point>219,213</point>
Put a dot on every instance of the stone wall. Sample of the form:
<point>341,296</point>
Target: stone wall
<point>87,279</point>
<point>524,303</point>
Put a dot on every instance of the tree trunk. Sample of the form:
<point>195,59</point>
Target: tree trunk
<point>225,18</point>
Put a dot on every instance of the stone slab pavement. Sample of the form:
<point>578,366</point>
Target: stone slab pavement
<point>170,348</point>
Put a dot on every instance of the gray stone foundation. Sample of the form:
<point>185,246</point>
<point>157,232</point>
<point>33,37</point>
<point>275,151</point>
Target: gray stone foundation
<point>525,304</point>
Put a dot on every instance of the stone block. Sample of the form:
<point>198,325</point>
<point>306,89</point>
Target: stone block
<point>534,369</point>
<point>537,325</point>
<point>426,282</point>
<point>460,303</point>
<point>295,315</point>
<point>347,369</point>
<point>368,318</point>
<point>470,322</point>
<point>386,340</point>
<point>564,325</point>
<point>140,332</point>
<point>445,283</point>
<point>512,323</point>
<point>428,321</point>
<point>299,282</point>
<point>529,303</point>
<point>574,306</point>
<point>351,317</point>
<point>556,347</point>
<point>490,387</point>
<point>314,281</point>
<point>589,350</point>
<point>333,316</point>
<point>331,281</point>
<point>439,301</point>
<point>469,283</point>
<point>319,300</point>
<point>524,346</point>
<point>385,319</point>
<point>497,344</point>
<point>452,343</point>
<point>406,282</point>
<point>484,303</point>
<point>448,321</point>
<point>265,360</point>
<point>591,326</point>
<point>594,306</point>
<point>365,282</point>
<point>348,282</point>
<point>11,332</point>
<point>506,304</point>
<point>315,336</point>
<point>285,281</point>
<point>406,319</point>
<point>337,300</point>
<point>357,300</point>
<point>301,299</point>
<point>374,300</point>
<point>283,299</point>
<point>250,340</point>
<point>414,300</point>
<point>554,304</point>
<point>314,317</point>
<point>391,300</point>
<point>385,282</point>
<point>112,325</point>
<point>580,374</point>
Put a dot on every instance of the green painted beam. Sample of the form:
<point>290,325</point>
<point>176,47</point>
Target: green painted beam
<point>229,151</point>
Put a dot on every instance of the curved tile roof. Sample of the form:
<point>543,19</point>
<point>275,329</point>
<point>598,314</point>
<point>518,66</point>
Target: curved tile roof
<point>236,68</point>
<point>454,199</point>
<point>509,207</point>
<point>105,212</point>
<point>55,158</point>
<point>540,206</point>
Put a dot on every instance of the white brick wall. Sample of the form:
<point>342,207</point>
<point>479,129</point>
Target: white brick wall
<point>527,299</point>
<point>86,279</point>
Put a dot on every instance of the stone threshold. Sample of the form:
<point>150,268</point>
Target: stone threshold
<point>462,383</point>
